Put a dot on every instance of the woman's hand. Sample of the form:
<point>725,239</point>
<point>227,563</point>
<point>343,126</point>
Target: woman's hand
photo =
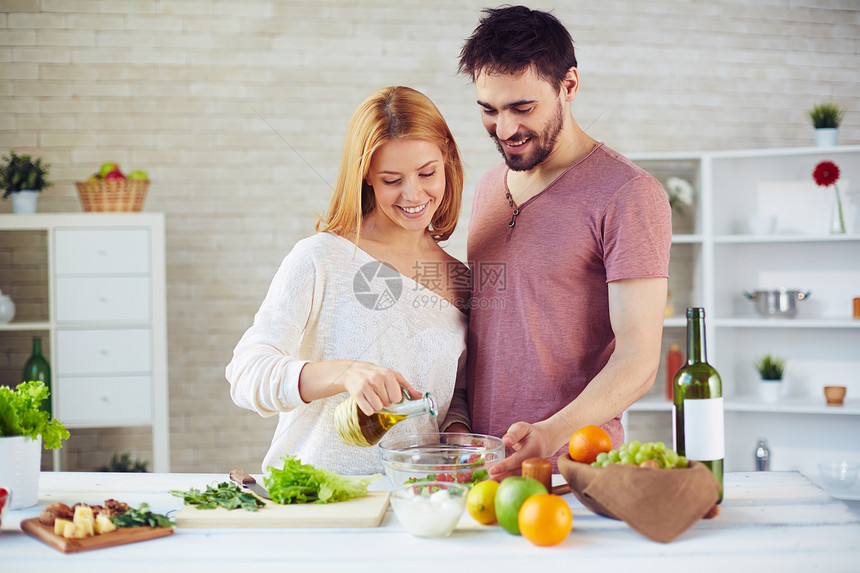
<point>373,387</point>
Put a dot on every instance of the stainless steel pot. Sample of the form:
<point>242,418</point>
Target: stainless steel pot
<point>779,302</point>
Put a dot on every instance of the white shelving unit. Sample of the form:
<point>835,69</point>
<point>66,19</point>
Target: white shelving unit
<point>106,322</point>
<point>715,259</point>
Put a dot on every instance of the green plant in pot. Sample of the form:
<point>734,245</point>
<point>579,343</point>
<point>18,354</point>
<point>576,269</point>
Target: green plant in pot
<point>770,367</point>
<point>24,426</point>
<point>826,118</point>
<point>771,370</point>
<point>123,463</point>
<point>23,179</point>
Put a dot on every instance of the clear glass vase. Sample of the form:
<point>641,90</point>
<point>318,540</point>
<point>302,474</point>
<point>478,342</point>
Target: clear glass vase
<point>837,217</point>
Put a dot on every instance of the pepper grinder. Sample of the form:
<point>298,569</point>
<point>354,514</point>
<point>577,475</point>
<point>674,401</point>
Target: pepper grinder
<point>762,455</point>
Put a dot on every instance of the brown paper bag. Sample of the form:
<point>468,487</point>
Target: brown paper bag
<point>660,504</point>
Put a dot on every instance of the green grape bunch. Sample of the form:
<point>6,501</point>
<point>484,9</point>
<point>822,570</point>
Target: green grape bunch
<point>649,454</point>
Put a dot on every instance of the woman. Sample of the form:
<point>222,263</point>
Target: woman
<point>337,321</point>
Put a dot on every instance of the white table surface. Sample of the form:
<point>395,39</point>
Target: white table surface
<point>770,521</point>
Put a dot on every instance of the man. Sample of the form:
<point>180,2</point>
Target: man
<point>569,246</point>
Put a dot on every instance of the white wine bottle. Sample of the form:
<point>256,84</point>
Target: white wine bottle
<point>699,425</point>
<point>355,428</point>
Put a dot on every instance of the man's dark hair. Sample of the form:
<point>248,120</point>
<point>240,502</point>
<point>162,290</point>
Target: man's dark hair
<point>511,39</point>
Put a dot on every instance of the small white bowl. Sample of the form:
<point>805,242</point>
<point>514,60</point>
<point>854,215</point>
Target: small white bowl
<point>838,475</point>
<point>429,509</point>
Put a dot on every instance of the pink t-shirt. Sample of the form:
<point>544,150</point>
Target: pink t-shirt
<point>539,327</point>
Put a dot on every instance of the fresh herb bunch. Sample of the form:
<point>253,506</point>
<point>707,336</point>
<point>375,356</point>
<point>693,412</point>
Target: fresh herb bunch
<point>226,494</point>
<point>20,414</point>
<point>20,172</point>
<point>141,517</point>
<point>770,367</point>
<point>826,115</point>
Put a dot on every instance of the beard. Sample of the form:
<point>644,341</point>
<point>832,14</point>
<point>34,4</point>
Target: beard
<point>542,144</point>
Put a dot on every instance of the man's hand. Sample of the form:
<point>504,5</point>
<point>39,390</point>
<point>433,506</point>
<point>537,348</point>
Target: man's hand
<point>527,441</point>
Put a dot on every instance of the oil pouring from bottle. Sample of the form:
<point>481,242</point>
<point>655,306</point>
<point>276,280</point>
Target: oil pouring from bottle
<point>699,425</point>
<point>355,428</point>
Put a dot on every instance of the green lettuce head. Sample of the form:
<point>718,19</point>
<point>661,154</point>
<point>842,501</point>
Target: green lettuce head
<point>20,415</point>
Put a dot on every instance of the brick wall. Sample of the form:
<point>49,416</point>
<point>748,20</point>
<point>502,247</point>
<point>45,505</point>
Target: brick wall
<point>238,109</point>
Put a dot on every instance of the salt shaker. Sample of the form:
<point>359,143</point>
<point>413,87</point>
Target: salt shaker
<point>762,454</point>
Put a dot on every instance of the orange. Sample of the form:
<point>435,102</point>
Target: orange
<point>481,501</point>
<point>545,519</point>
<point>587,442</point>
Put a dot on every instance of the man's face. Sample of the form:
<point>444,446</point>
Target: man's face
<point>523,114</point>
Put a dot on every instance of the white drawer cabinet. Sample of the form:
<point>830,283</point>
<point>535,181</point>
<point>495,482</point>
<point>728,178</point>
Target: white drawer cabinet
<point>101,251</point>
<point>103,299</point>
<point>107,401</point>
<point>107,321</point>
<point>85,352</point>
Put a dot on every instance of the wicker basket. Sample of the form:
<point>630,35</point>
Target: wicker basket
<point>112,194</point>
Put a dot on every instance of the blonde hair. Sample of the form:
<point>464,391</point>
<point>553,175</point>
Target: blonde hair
<point>391,113</point>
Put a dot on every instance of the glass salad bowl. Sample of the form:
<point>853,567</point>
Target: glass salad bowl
<point>442,457</point>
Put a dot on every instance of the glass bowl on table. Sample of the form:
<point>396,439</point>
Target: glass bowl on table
<point>839,475</point>
<point>443,457</point>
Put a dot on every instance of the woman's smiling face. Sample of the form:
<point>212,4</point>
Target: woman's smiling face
<point>408,180</point>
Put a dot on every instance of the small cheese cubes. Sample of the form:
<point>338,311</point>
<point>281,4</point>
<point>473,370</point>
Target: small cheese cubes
<point>60,525</point>
<point>73,531</point>
<point>103,524</point>
<point>84,519</point>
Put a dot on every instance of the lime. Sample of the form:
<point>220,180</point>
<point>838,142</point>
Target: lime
<point>481,501</point>
<point>511,494</point>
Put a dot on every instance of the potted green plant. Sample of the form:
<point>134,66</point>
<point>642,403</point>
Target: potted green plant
<point>826,118</point>
<point>23,179</point>
<point>771,370</point>
<point>123,463</point>
<point>24,428</point>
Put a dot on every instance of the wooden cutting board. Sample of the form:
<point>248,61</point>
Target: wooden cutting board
<point>366,511</point>
<point>120,536</point>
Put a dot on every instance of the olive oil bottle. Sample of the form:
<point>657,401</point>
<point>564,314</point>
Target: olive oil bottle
<point>699,426</point>
<point>355,428</point>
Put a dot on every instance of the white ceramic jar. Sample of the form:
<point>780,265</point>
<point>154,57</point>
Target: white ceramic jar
<point>20,462</point>
<point>7,308</point>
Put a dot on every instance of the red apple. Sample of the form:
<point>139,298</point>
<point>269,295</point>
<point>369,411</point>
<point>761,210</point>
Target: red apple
<point>107,168</point>
<point>115,174</point>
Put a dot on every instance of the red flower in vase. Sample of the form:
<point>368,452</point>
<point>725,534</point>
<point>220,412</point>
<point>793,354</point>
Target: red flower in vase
<point>826,173</point>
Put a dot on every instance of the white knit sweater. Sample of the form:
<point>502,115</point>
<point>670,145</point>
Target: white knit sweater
<point>320,306</point>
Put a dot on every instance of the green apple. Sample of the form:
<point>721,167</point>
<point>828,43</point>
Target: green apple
<point>512,492</point>
<point>138,174</point>
<point>107,168</point>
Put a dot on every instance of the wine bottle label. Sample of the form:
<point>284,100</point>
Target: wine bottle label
<point>704,429</point>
